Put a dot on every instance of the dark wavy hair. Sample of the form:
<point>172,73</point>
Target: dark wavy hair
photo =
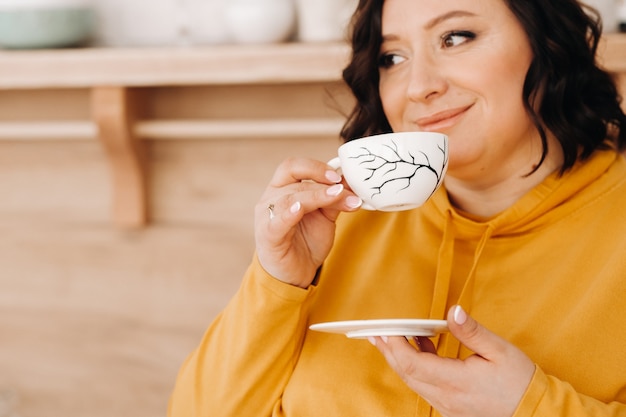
<point>565,91</point>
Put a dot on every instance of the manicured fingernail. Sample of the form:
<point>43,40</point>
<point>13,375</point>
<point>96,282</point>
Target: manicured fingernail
<point>371,340</point>
<point>333,176</point>
<point>460,316</point>
<point>385,339</point>
<point>353,201</point>
<point>335,190</point>
<point>295,207</point>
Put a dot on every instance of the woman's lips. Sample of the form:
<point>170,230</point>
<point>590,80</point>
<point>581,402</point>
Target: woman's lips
<point>441,120</point>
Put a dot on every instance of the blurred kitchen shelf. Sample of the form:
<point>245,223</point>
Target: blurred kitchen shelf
<point>147,67</point>
<point>113,76</point>
<point>176,129</point>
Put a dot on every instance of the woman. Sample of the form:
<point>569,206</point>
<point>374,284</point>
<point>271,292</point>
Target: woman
<point>522,250</point>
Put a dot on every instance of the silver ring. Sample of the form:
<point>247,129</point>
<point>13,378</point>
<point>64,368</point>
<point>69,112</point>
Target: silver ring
<point>270,208</point>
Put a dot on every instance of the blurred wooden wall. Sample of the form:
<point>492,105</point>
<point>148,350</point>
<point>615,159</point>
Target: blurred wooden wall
<point>95,319</point>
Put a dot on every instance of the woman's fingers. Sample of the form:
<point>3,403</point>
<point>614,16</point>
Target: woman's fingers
<point>425,344</point>
<point>465,387</point>
<point>293,170</point>
<point>306,198</point>
<point>295,219</point>
<point>301,186</point>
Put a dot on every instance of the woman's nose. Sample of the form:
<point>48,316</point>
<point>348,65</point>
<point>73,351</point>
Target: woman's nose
<point>426,81</point>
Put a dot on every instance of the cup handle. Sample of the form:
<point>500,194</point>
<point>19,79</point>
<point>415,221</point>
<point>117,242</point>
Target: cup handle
<point>335,164</point>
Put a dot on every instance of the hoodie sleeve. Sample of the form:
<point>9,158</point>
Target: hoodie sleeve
<point>548,396</point>
<point>248,353</point>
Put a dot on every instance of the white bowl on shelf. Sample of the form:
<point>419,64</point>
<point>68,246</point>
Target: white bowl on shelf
<point>260,21</point>
<point>34,24</point>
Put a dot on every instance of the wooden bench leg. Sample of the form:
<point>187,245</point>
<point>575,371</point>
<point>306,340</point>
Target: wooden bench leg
<point>112,111</point>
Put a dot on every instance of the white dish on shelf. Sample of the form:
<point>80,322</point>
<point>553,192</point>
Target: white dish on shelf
<point>360,329</point>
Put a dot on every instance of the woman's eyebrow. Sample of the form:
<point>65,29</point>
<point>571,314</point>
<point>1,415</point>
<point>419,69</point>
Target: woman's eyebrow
<point>446,16</point>
<point>435,21</point>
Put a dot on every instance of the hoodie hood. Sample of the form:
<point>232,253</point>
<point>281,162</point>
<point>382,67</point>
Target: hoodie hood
<point>541,206</point>
<point>556,197</point>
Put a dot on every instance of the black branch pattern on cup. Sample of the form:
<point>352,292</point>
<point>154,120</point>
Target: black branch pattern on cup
<point>388,168</point>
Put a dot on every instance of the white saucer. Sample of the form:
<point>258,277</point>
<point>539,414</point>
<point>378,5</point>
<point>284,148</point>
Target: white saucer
<point>360,329</point>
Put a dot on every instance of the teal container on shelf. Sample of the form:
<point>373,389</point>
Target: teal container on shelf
<point>39,25</point>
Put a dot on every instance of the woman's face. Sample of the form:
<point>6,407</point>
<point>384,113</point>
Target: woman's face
<point>458,67</point>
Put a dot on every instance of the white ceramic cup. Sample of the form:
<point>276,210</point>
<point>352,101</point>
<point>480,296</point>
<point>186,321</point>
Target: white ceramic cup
<point>394,171</point>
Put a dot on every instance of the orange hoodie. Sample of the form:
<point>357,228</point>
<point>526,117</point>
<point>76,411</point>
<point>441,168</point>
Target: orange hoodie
<point>547,274</point>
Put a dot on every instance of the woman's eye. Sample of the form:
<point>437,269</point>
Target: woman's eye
<point>456,38</point>
<point>389,60</point>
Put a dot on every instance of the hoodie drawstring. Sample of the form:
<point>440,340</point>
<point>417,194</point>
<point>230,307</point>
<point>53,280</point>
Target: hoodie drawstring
<point>447,345</point>
<point>440,291</point>
<point>466,293</point>
<point>450,345</point>
<point>444,270</point>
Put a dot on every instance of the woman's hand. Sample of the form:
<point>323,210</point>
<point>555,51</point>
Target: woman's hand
<point>489,383</point>
<point>295,219</point>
